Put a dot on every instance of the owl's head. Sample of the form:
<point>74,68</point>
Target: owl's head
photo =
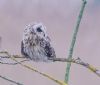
<point>38,29</point>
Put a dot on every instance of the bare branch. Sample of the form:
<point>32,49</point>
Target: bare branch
<point>7,56</point>
<point>77,61</point>
<point>1,62</point>
<point>12,81</point>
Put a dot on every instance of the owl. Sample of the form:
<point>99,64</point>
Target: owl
<point>36,44</point>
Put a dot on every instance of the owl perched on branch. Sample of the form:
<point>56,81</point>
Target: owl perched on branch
<point>36,44</point>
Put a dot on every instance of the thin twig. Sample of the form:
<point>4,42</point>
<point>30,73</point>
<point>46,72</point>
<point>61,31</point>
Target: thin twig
<point>15,56</point>
<point>12,81</point>
<point>76,61</point>
<point>73,41</point>
<point>35,70</point>
<point>1,62</point>
<point>80,62</point>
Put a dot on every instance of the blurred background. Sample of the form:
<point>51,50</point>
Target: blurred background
<point>59,16</point>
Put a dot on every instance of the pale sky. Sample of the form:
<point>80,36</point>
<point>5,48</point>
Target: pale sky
<point>59,16</point>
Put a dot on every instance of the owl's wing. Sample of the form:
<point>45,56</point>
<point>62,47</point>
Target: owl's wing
<point>48,49</point>
<point>23,50</point>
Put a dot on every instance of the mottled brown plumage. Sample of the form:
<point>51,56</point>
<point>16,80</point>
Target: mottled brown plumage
<point>36,44</point>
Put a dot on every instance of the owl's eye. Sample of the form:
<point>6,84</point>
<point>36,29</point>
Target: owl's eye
<point>39,29</point>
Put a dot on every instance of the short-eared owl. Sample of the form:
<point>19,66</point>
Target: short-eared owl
<point>36,44</point>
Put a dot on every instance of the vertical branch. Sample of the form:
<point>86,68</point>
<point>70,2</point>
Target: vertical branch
<point>73,41</point>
